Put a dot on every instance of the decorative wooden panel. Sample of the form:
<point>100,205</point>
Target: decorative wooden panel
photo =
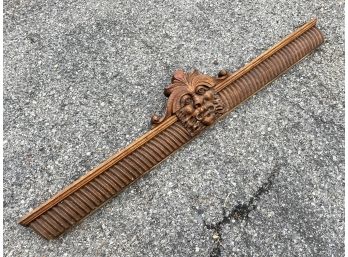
<point>195,101</point>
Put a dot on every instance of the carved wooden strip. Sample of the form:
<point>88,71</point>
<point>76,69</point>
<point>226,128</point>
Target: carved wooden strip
<point>197,102</point>
<point>267,54</point>
<point>113,180</point>
<point>40,230</point>
<point>58,218</point>
<point>94,194</point>
<point>270,68</point>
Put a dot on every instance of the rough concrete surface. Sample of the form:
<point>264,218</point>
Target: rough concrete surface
<point>83,78</point>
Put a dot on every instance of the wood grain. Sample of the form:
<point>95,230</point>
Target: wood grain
<point>195,101</point>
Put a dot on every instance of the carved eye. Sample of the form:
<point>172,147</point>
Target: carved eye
<point>201,90</point>
<point>186,100</point>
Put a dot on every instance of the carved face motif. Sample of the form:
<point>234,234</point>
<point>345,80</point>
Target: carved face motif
<point>199,108</point>
<point>192,98</point>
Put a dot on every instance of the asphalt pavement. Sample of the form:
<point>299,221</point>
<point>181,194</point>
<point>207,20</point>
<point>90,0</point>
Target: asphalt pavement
<point>82,80</point>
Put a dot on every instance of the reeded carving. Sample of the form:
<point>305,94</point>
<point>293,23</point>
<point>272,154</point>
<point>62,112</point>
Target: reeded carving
<point>193,103</point>
<point>191,96</point>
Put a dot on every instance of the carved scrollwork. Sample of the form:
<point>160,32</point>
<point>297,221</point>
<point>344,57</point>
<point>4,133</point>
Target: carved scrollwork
<point>191,96</point>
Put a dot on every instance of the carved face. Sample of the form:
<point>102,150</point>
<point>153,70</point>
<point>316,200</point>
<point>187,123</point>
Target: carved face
<point>199,108</point>
<point>192,98</point>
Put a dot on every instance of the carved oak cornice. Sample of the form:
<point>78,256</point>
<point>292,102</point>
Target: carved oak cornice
<point>195,101</point>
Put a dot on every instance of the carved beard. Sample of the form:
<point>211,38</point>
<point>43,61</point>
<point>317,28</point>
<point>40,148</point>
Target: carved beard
<point>195,119</point>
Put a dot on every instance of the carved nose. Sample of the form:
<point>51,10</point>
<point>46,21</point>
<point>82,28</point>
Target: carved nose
<point>197,101</point>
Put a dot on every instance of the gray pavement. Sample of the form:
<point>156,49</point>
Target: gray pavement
<point>82,80</point>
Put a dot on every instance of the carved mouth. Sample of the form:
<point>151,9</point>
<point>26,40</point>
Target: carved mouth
<point>205,111</point>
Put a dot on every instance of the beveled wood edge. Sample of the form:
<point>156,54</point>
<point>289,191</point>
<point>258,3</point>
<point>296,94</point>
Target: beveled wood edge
<point>249,66</point>
<point>83,180</point>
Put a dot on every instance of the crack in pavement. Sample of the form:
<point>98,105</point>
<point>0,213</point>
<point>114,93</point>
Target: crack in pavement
<point>239,212</point>
<point>318,119</point>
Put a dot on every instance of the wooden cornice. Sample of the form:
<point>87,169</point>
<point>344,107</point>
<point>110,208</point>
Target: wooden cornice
<point>195,101</point>
<point>301,30</point>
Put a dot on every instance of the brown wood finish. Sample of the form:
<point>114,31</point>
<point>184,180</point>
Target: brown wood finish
<point>195,101</point>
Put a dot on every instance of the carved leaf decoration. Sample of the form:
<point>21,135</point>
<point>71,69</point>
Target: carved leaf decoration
<point>182,84</point>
